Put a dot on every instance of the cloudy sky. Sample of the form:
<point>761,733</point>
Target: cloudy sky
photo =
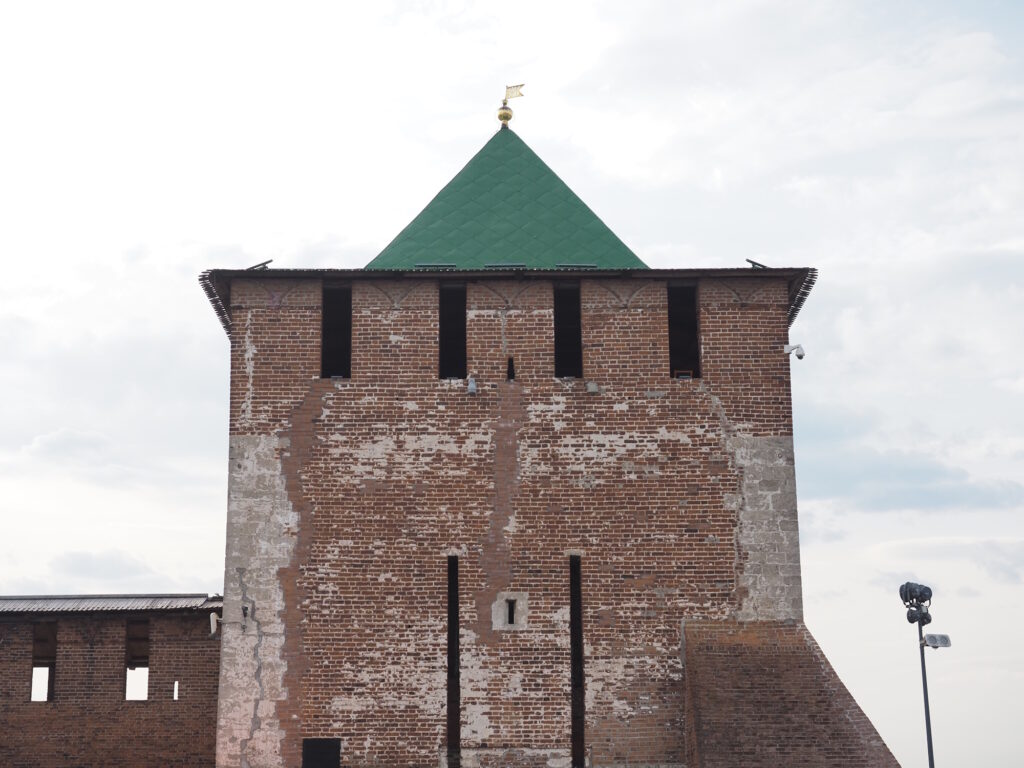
<point>882,142</point>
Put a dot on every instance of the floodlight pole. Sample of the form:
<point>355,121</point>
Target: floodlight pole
<point>924,684</point>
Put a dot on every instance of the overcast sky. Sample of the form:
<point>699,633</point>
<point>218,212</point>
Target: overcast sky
<point>882,142</point>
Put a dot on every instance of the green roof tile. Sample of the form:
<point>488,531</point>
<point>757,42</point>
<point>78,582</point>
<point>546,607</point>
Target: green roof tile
<point>506,207</point>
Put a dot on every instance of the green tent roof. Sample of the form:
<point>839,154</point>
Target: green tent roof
<point>506,207</point>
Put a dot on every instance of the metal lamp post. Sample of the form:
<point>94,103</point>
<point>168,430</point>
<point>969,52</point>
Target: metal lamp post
<point>917,598</point>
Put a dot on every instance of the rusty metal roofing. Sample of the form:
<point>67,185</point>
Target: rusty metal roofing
<point>108,603</point>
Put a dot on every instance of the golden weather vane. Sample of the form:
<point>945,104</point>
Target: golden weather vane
<point>511,92</point>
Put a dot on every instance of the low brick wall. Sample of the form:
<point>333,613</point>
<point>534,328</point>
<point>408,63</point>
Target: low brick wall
<point>89,723</point>
<point>763,694</point>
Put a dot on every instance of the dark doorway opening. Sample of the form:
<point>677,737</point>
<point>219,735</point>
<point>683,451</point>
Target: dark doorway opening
<point>321,753</point>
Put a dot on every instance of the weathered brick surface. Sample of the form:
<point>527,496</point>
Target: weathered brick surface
<point>89,723</point>
<point>763,694</point>
<point>346,497</point>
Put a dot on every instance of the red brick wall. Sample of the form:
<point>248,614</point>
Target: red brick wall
<point>393,470</point>
<point>272,353</point>
<point>765,696</point>
<point>89,723</point>
<point>743,330</point>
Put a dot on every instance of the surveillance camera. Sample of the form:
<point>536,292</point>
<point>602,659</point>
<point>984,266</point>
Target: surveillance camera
<point>796,349</point>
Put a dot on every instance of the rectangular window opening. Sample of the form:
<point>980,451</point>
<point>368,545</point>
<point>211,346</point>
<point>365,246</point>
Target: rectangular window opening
<point>683,332</point>
<point>336,333</point>
<point>42,686</point>
<point>321,753</point>
<point>175,695</point>
<point>451,331</point>
<point>136,660</point>
<point>510,371</point>
<point>568,331</point>
<point>510,605</point>
<point>578,713</point>
<point>44,660</point>
<point>454,724</point>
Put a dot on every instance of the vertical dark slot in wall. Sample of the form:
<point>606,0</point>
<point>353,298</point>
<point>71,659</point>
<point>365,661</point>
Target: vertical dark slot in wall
<point>683,332</point>
<point>576,660</point>
<point>336,333</point>
<point>451,331</point>
<point>321,753</point>
<point>454,692</point>
<point>568,331</point>
<point>44,658</point>
<point>136,660</point>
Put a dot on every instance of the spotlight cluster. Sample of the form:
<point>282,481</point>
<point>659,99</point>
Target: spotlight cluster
<point>917,598</point>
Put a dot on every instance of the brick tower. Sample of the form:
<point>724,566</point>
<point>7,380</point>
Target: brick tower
<point>507,497</point>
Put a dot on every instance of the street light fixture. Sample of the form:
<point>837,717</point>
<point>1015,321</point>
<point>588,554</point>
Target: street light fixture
<point>918,598</point>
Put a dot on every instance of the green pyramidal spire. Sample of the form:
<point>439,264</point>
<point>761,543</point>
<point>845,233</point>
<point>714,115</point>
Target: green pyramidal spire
<point>506,207</point>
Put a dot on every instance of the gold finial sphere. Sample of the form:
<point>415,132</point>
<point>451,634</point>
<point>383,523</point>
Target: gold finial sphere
<point>504,114</point>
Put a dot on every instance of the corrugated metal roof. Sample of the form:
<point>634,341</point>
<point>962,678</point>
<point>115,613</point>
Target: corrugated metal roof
<point>94,603</point>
